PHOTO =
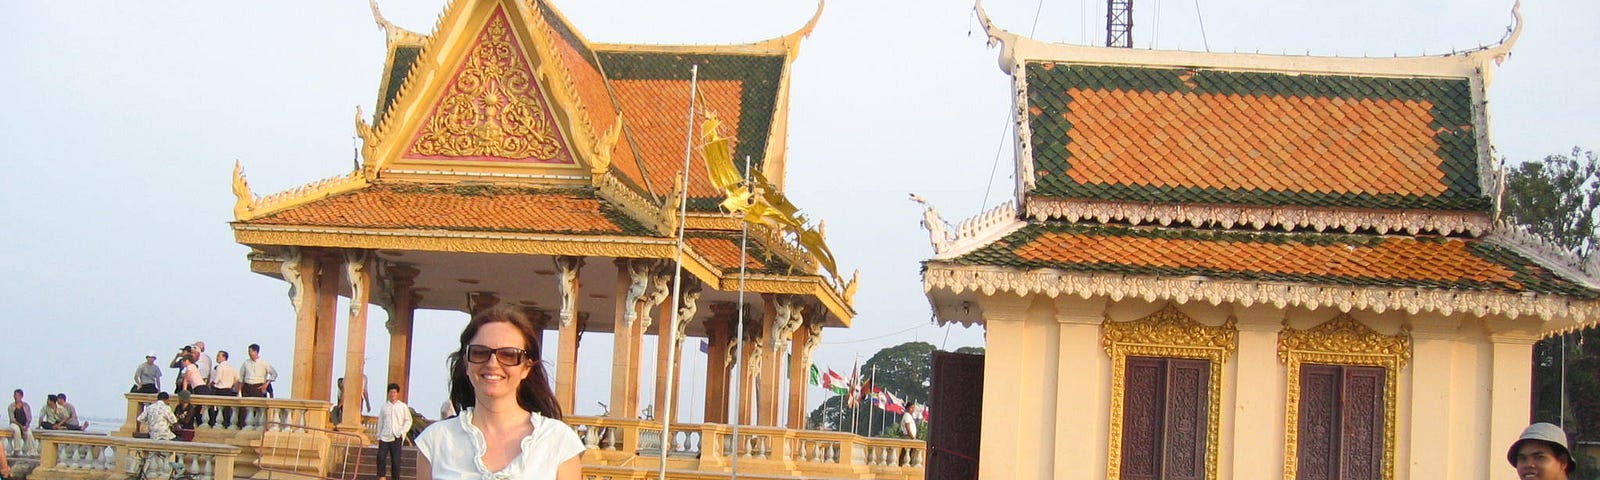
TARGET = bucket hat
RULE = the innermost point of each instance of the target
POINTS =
(1548, 433)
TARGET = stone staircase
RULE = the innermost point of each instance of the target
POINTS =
(366, 464)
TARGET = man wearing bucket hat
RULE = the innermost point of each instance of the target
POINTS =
(147, 376)
(1541, 453)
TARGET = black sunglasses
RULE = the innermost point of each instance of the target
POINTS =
(508, 356)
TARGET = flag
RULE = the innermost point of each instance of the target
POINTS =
(875, 397)
(893, 403)
(854, 400)
(927, 412)
(866, 390)
(816, 375)
(834, 382)
(705, 347)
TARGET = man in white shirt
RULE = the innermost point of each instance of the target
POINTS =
(224, 382)
(394, 422)
(256, 374)
(224, 378)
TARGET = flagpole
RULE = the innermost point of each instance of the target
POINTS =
(671, 329)
(871, 386)
(738, 349)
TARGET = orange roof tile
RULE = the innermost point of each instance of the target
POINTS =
(463, 208)
(722, 250)
(1288, 257)
(1166, 135)
(657, 111)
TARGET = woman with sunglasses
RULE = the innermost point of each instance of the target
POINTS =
(510, 425)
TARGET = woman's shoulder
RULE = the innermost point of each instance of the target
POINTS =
(439, 431)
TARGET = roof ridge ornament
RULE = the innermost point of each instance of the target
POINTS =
(392, 33)
(938, 230)
(1554, 257)
(1007, 40)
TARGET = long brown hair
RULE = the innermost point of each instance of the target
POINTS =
(533, 394)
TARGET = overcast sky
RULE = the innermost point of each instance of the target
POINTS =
(121, 121)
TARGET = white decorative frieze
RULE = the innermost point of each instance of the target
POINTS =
(1054, 283)
(1257, 218)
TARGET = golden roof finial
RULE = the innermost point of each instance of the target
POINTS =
(241, 192)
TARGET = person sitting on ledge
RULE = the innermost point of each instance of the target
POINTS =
(158, 419)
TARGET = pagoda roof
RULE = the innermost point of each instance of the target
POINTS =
(507, 133)
(628, 101)
(1316, 258)
(1314, 182)
(1323, 142)
(1185, 135)
(464, 207)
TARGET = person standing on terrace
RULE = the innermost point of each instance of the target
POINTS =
(394, 421)
(256, 374)
(147, 376)
(510, 424)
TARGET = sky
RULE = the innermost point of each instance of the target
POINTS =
(121, 123)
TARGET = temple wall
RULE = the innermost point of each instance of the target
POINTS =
(1460, 399)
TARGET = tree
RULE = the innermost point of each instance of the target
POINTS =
(904, 369)
(1558, 198)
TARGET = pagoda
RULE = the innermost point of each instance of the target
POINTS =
(512, 161)
(1248, 266)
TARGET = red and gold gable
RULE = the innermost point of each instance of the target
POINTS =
(493, 108)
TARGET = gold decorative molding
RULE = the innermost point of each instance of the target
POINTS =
(1342, 341)
(441, 241)
(655, 217)
(246, 207)
(1167, 333)
(493, 107)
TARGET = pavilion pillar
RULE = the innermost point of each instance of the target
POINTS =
(781, 316)
(300, 268)
(669, 350)
(719, 359)
(358, 267)
(571, 328)
(802, 346)
(633, 279)
(329, 272)
(750, 366)
(665, 329)
(400, 326)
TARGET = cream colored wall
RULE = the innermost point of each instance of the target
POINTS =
(1461, 398)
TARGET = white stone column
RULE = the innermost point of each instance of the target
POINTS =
(1081, 389)
(1432, 424)
(1511, 344)
(1018, 442)
(1253, 448)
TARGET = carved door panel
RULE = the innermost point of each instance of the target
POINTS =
(1319, 423)
(1142, 418)
(1164, 418)
(953, 431)
(1188, 388)
(1361, 455)
(1341, 422)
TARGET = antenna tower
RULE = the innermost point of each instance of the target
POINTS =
(1119, 23)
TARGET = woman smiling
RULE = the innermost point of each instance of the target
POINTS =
(510, 426)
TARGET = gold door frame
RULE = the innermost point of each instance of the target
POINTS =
(1174, 334)
(1341, 341)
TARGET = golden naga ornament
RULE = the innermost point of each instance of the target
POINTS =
(493, 109)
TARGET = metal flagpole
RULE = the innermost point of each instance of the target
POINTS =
(738, 345)
(671, 329)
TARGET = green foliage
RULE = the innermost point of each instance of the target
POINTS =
(1558, 198)
(905, 370)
